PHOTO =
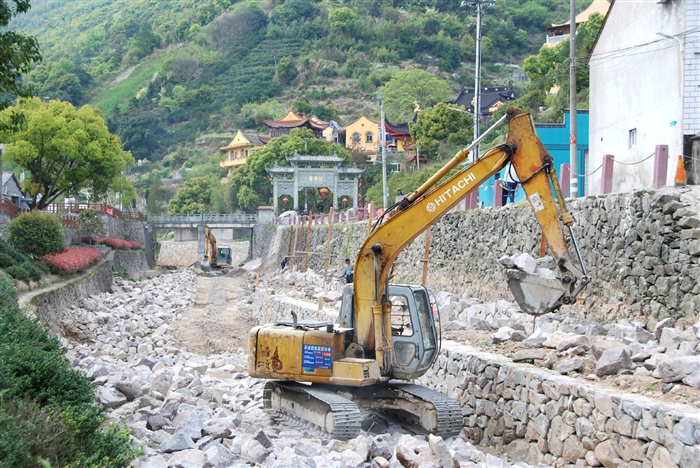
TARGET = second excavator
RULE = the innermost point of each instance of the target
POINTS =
(325, 373)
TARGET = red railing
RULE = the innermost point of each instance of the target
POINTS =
(8, 206)
(69, 211)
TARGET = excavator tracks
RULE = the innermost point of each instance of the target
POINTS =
(449, 413)
(334, 415)
(340, 418)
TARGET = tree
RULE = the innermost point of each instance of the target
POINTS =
(90, 224)
(65, 151)
(440, 123)
(18, 53)
(193, 197)
(286, 70)
(408, 88)
(343, 19)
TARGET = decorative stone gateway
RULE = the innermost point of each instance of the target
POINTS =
(539, 416)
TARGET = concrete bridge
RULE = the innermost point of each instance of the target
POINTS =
(224, 227)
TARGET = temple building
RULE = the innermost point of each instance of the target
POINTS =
(292, 120)
(241, 146)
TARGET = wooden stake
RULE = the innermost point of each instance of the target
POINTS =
(543, 246)
(328, 245)
(370, 215)
(297, 245)
(308, 241)
(426, 255)
(289, 244)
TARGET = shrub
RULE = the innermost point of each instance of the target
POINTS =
(6, 260)
(18, 272)
(118, 244)
(89, 224)
(37, 234)
(46, 410)
(87, 240)
(34, 270)
(18, 257)
(72, 260)
(8, 293)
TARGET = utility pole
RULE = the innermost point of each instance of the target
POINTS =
(573, 147)
(477, 74)
(382, 139)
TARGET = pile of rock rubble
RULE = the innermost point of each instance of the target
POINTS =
(567, 343)
(188, 410)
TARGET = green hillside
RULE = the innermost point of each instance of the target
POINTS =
(165, 74)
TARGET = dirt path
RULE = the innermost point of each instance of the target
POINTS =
(214, 325)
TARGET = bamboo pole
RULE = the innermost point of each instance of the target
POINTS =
(297, 245)
(426, 254)
(328, 245)
(308, 241)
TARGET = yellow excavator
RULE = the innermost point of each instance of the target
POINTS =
(326, 373)
(214, 257)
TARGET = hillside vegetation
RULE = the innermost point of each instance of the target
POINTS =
(168, 74)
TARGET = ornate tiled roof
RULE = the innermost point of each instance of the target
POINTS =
(489, 96)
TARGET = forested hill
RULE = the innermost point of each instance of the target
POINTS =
(164, 71)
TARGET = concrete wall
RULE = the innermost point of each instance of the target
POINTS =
(642, 251)
(641, 89)
(52, 305)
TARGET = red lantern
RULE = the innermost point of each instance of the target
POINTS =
(285, 200)
(345, 201)
(323, 191)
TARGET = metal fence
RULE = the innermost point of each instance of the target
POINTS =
(203, 218)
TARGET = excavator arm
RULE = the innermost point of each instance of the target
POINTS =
(422, 208)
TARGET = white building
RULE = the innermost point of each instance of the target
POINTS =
(644, 88)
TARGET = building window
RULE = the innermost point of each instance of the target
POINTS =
(633, 138)
(369, 137)
(355, 137)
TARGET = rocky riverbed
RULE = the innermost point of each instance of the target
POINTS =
(195, 410)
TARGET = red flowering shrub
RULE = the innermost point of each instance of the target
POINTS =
(118, 244)
(71, 260)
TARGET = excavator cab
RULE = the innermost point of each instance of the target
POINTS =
(414, 339)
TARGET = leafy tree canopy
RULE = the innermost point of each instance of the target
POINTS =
(65, 151)
(193, 197)
(441, 123)
(251, 185)
(409, 88)
(19, 52)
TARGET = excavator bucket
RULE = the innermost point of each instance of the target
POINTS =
(535, 295)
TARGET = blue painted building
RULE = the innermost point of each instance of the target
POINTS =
(555, 138)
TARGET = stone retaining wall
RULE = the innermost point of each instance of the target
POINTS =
(642, 251)
(4, 224)
(132, 262)
(53, 305)
(539, 416)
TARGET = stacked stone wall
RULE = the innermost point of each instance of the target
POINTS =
(54, 305)
(539, 416)
(5, 220)
(642, 251)
(132, 262)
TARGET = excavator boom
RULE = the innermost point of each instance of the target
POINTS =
(421, 209)
(387, 331)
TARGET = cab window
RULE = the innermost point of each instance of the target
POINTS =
(401, 324)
